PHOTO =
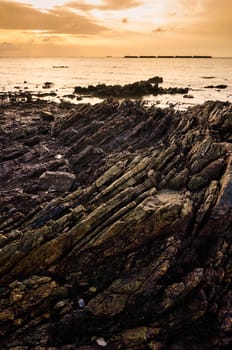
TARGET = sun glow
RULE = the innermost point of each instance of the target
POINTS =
(111, 26)
(43, 4)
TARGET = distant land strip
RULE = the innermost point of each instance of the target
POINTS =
(167, 56)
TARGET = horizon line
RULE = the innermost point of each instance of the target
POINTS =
(125, 56)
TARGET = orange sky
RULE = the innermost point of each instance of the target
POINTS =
(115, 27)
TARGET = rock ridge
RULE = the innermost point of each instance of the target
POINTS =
(125, 243)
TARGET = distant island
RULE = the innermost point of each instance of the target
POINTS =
(167, 56)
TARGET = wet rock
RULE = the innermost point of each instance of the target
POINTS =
(188, 96)
(137, 89)
(60, 66)
(47, 85)
(208, 77)
(220, 86)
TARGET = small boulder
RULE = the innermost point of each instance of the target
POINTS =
(59, 181)
(47, 85)
(221, 86)
(188, 96)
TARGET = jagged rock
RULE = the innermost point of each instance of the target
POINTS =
(137, 89)
(133, 248)
(57, 180)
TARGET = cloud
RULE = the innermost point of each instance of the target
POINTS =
(106, 5)
(190, 4)
(120, 4)
(58, 20)
(209, 17)
(101, 27)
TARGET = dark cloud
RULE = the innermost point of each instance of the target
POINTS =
(58, 20)
(112, 5)
(125, 20)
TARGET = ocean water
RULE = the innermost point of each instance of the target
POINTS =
(66, 73)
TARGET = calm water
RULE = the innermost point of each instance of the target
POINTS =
(31, 73)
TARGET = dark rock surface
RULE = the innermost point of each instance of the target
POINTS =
(137, 89)
(59, 181)
(220, 86)
(137, 254)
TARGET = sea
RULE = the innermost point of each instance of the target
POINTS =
(30, 74)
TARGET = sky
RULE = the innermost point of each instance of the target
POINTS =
(96, 28)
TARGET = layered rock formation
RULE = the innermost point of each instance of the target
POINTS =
(137, 253)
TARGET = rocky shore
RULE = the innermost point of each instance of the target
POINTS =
(133, 90)
(138, 89)
(115, 226)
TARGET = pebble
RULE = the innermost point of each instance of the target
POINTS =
(81, 303)
(101, 342)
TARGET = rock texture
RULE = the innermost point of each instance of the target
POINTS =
(136, 254)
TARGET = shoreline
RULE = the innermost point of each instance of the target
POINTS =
(149, 91)
(134, 90)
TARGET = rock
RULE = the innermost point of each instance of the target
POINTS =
(137, 89)
(188, 96)
(60, 66)
(59, 181)
(81, 303)
(138, 336)
(224, 202)
(32, 141)
(47, 85)
(101, 342)
(197, 182)
(220, 86)
(209, 77)
(61, 304)
(47, 116)
(3, 240)
(115, 226)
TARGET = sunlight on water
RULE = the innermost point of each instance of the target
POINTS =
(66, 73)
